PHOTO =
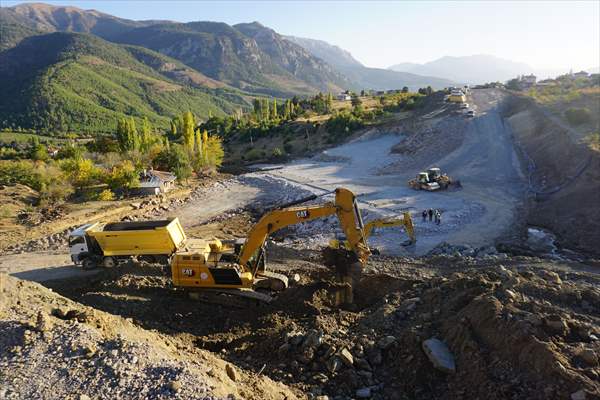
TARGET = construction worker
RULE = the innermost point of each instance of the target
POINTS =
(430, 212)
(424, 213)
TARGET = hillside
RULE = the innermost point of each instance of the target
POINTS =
(365, 77)
(257, 60)
(294, 58)
(78, 82)
(474, 69)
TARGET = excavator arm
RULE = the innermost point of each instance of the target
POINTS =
(344, 207)
(405, 221)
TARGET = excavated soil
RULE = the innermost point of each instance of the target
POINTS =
(519, 330)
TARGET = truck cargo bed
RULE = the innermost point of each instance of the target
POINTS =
(163, 237)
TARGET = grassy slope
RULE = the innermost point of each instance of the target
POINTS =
(80, 83)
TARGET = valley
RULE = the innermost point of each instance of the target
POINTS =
(206, 210)
(475, 265)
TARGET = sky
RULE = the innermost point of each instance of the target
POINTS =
(544, 34)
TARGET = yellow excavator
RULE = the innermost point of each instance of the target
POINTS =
(405, 222)
(226, 268)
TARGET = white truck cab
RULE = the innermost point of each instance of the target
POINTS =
(78, 244)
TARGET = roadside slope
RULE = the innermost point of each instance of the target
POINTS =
(564, 177)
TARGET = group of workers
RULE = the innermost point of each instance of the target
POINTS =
(434, 215)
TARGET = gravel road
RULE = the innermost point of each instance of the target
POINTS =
(486, 164)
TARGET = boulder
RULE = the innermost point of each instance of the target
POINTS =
(439, 355)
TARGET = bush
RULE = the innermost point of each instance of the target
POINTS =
(578, 116)
(288, 148)
(344, 122)
(123, 177)
(176, 160)
(254, 155)
(277, 152)
(47, 179)
(106, 195)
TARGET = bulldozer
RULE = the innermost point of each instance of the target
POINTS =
(405, 222)
(241, 270)
(432, 180)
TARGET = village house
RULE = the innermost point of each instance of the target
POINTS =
(527, 80)
(581, 74)
(344, 97)
(153, 182)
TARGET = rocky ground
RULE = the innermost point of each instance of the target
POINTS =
(52, 347)
(438, 327)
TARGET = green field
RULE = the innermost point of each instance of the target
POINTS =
(20, 137)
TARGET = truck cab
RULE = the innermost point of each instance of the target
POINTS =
(79, 245)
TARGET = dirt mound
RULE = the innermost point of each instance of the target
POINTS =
(518, 332)
(84, 353)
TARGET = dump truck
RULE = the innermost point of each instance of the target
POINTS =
(432, 180)
(106, 244)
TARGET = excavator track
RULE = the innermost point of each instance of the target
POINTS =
(271, 280)
(239, 298)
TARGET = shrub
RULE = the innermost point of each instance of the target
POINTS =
(47, 179)
(344, 122)
(277, 152)
(123, 177)
(106, 195)
(288, 148)
(253, 155)
(176, 160)
(578, 116)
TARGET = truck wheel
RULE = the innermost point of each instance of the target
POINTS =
(109, 262)
(88, 264)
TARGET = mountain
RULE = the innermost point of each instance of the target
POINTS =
(329, 53)
(469, 69)
(295, 59)
(78, 82)
(365, 77)
(222, 52)
(48, 18)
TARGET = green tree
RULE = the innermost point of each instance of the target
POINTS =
(80, 172)
(329, 102)
(405, 89)
(123, 177)
(127, 135)
(176, 160)
(146, 137)
(356, 101)
(274, 115)
(188, 131)
(173, 130)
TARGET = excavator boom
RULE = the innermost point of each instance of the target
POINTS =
(344, 207)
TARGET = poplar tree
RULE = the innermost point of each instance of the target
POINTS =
(274, 110)
(188, 131)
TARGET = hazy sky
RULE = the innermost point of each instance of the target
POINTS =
(543, 34)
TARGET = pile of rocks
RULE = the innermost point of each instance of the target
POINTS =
(318, 359)
(56, 241)
(487, 252)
